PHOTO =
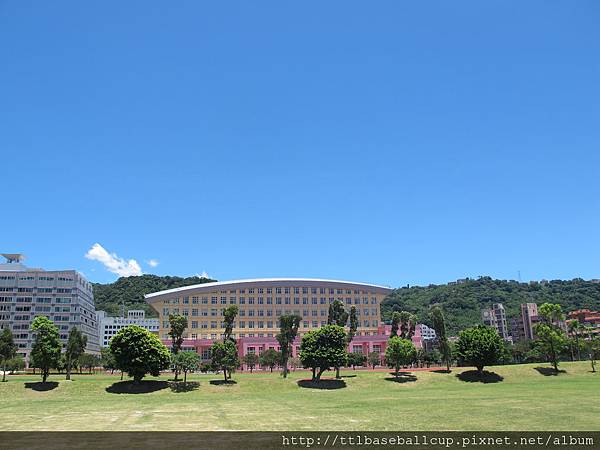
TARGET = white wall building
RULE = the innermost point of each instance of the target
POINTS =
(109, 326)
(64, 296)
(426, 333)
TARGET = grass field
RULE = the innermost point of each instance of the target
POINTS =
(524, 399)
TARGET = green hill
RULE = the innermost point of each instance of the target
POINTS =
(131, 291)
(463, 300)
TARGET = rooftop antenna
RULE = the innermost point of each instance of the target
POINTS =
(12, 258)
(519, 275)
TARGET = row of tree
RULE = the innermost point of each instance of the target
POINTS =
(47, 350)
(137, 352)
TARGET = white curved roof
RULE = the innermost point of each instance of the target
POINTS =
(300, 282)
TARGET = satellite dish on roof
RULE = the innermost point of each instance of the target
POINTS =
(13, 257)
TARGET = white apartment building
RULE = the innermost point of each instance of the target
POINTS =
(64, 296)
(426, 333)
(109, 326)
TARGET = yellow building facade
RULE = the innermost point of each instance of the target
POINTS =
(262, 301)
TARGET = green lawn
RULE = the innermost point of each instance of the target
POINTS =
(524, 400)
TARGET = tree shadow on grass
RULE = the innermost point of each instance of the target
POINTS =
(348, 376)
(41, 387)
(441, 371)
(184, 386)
(549, 371)
(222, 382)
(473, 376)
(403, 377)
(322, 384)
(130, 387)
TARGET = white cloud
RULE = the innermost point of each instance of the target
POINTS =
(152, 262)
(114, 264)
(202, 275)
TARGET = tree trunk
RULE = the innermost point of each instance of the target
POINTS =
(284, 367)
(184, 376)
(271, 369)
(4, 371)
(578, 348)
(44, 375)
(121, 375)
(337, 372)
(225, 373)
(553, 356)
(314, 376)
(572, 353)
(480, 370)
(319, 374)
(68, 368)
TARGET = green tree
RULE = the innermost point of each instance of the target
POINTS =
(229, 315)
(295, 363)
(420, 357)
(32, 363)
(395, 323)
(269, 358)
(575, 328)
(187, 362)
(337, 314)
(74, 349)
(399, 352)
(479, 346)
(8, 349)
(439, 325)
(551, 341)
(550, 336)
(107, 360)
(592, 345)
(322, 349)
(138, 352)
(178, 325)
(432, 357)
(519, 351)
(374, 359)
(408, 323)
(224, 356)
(15, 364)
(356, 359)
(288, 330)
(353, 327)
(551, 313)
(46, 348)
(88, 361)
(251, 360)
(62, 363)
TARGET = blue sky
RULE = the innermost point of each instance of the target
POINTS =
(387, 142)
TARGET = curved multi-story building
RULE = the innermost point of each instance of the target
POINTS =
(262, 301)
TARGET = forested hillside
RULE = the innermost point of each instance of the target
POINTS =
(462, 301)
(110, 297)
